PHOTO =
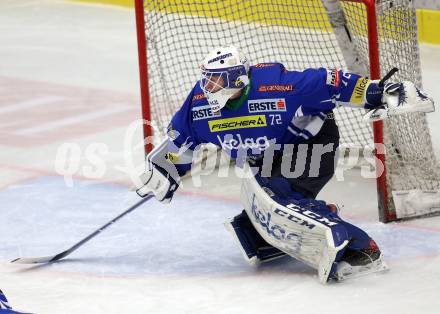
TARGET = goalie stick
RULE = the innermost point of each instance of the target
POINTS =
(387, 76)
(56, 257)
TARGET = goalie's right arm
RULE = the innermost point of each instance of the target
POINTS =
(172, 158)
(158, 178)
(165, 165)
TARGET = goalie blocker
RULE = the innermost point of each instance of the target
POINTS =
(278, 221)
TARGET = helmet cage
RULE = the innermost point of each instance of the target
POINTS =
(222, 78)
(220, 84)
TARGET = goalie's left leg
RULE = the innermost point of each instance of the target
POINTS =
(308, 230)
(359, 262)
(361, 256)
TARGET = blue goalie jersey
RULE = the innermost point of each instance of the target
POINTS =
(277, 107)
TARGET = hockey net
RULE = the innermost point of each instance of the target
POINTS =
(175, 35)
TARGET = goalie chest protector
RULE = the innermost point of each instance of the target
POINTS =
(281, 107)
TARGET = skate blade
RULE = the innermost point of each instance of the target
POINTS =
(350, 272)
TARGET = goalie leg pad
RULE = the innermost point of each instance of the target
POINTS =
(295, 227)
(253, 247)
(359, 239)
(306, 229)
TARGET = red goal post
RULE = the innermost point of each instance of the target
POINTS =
(368, 37)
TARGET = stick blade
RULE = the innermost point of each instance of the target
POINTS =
(34, 260)
(44, 259)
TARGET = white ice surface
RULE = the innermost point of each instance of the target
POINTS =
(179, 258)
(159, 259)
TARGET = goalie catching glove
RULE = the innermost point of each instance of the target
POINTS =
(158, 179)
(390, 99)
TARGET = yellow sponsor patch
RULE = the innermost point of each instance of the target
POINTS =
(171, 133)
(255, 121)
(357, 97)
(173, 157)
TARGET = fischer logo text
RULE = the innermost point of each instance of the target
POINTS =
(255, 121)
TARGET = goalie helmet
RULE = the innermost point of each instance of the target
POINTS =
(224, 73)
